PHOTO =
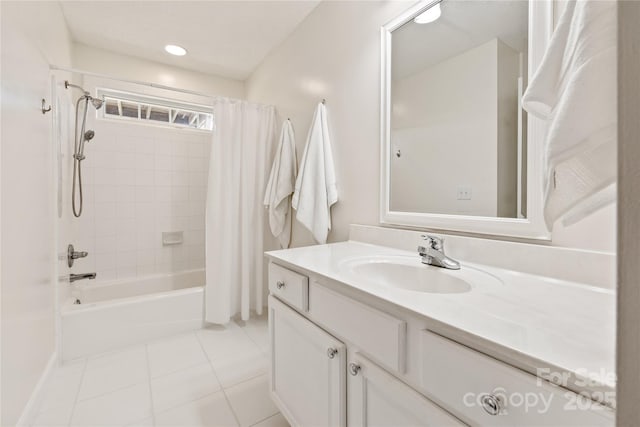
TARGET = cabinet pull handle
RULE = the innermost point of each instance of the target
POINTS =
(491, 404)
(280, 284)
(331, 352)
(354, 369)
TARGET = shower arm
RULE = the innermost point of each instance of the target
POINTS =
(67, 85)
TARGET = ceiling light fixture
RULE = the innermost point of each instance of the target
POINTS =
(175, 50)
(428, 15)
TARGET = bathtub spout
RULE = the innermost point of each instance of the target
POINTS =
(74, 277)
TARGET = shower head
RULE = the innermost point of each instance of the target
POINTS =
(97, 103)
(88, 135)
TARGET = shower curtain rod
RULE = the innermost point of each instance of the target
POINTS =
(153, 85)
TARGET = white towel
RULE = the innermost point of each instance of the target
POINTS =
(316, 189)
(574, 90)
(277, 198)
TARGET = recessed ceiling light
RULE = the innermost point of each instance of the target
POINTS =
(175, 50)
(428, 15)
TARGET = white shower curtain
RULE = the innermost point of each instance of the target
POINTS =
(241, 150)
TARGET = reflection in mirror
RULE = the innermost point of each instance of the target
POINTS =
(458, 134)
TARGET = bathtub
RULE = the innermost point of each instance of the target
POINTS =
(133, 311)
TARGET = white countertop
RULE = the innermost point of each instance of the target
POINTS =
(527, 320)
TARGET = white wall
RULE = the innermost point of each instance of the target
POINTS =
(445, 124)
(34, 35)
(138, 181)
(335, 54)
(115, 65)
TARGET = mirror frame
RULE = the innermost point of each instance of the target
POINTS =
(532, 227)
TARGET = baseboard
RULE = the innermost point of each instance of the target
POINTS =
(33, 405)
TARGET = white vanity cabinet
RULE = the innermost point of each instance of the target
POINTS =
(307, 369)
(340, 358)
(376, 398)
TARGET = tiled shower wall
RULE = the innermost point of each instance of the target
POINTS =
(140, 181)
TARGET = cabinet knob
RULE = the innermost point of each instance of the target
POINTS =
(354, 369)
(280, 284)
(491, 404)
(331, 352)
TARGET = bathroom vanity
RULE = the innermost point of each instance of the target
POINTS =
(362, 334)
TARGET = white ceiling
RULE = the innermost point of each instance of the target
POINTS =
(463, 25)
(225, 38)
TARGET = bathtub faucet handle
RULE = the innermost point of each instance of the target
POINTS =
(73, 255)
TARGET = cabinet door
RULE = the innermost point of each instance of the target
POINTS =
(307, 369)
(376, 398)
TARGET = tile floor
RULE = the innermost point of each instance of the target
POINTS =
(216, 376)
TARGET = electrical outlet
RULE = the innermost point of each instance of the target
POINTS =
(464, 193)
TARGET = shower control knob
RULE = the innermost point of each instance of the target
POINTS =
(73, 255)
(331, 352)
(354, 369)
(280, 284)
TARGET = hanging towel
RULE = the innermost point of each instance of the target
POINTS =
(277, 198)
(574, 91)
(316, 189)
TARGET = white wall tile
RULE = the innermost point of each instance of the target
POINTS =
(106, 261)
(127, 259)
(125, 193)
(180, 193)
(146, 270)
(127, 272)
(125, 210)
(107, 244)
(145, 145)
(145, 257)
(163, 177)
(144, 181)
(145, 161)
(163, 162)
(124, 177)
(180, 163)
(145, 177)
(144, 194)
(125, 160)
(104, 176)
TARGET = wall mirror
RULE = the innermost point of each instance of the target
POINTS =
(458, 151)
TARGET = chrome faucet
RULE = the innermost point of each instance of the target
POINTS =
(74, 277)
(432, 253)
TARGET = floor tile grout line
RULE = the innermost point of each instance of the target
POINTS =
(235, 416)
(111, 391)
(178, 405)
(247, 334)
(244, 380)
(206, 362)
(153, 412)
(75, 401)
(264, 419)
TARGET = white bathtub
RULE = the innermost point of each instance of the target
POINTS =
(126, 312)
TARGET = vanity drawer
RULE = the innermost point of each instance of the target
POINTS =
(460, 377)
(289, 286)
(381, 336)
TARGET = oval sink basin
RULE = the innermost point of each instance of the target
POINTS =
(410, 274)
